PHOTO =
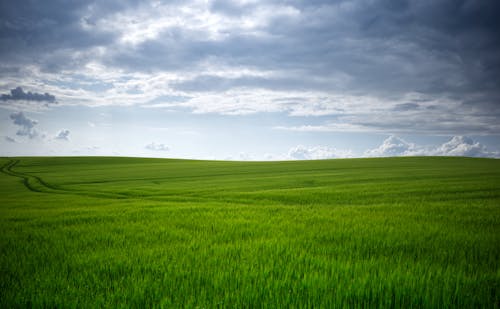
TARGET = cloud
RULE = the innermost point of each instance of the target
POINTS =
(395, 146)
(225, 57)
(63, 135)
(35, 31)
(463, 146)
(391, 147)
(157, 147)
(10, 139)
(27, 125)
(211, 83)
(243, 156)
(316, 153)
(406, 106)
(433, 115)
(18, 94)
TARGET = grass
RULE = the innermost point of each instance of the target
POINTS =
(131, 232)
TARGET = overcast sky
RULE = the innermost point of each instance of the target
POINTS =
(250, 80)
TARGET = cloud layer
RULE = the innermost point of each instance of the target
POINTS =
(383, 65)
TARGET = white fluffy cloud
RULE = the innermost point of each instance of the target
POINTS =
(463, 146)
(457, 146)
(393, 146)
(316, 153)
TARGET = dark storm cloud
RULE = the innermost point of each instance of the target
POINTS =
(19, 94)
(175, 50)
(32, 31)
(461, 34)
(383, 48)
(178, 49)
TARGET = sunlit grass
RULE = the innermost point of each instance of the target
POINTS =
(106, 232)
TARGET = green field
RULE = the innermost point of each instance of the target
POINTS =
(132, 232)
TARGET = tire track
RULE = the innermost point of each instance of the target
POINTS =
(7, 169)
(37, 184)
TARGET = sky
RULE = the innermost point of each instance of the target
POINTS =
(250, 79)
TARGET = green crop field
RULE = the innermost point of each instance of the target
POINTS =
(132, 232)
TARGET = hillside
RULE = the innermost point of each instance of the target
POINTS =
(391, 232)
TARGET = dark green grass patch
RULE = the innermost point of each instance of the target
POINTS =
(131, 232)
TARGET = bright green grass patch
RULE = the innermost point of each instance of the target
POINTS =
(131, 232)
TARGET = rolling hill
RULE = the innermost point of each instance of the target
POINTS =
(137, 232)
